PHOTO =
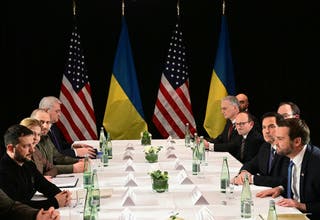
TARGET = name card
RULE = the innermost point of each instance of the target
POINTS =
(170, 154)
(129, 165)
(205, 214)
(128, 198)
(178, 165)
(130, 180)
(128, 155)
(183, 178)
(197, 197)
(127, 214)
(129, 147)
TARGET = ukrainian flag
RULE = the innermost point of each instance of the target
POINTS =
(222, 83)
(124, 118)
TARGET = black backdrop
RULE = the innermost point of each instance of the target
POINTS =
(274, 47)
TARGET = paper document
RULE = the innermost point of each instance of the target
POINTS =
(65, 181)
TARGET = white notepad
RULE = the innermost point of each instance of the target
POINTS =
(65, 181)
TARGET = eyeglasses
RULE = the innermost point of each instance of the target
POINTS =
(286, 115)
(242, 123)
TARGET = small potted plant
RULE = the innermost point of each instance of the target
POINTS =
(159, 181)
(145, 138)
(151, 153)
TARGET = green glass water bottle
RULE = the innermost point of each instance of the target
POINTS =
(225, 175)
(246, 199)
(272, 213)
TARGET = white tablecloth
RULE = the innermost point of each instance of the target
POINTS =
(121, 176)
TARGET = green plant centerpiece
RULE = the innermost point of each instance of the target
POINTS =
(151, 153)
(159, 181)
(146, 138)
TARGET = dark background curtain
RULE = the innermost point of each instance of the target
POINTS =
(275, 49)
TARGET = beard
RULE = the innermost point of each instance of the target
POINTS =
(21, 159)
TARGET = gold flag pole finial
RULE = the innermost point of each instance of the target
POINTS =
(74, 7)
(122, 7)
(223, 7)
(178, 8)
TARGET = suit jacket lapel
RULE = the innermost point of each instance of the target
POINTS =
(304, 170)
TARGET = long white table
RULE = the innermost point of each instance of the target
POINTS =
(126, 186)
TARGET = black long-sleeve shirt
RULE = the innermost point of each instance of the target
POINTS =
(21, 182)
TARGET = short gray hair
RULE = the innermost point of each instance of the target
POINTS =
(48, 101)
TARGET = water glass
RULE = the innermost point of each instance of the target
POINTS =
(230, 191)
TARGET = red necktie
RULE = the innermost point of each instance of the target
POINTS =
(230, 131)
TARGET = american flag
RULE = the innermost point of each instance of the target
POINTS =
(77, 121)
(173, 106)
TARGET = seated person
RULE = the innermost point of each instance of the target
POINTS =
(267, 168)
(251, 138)
(229, 140)
(19, 177)
(302, 190)
(64, 164)
(13, 210)
(43, 165)
(52, 105)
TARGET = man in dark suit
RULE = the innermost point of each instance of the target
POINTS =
(251, 138)
(303, 188)
(229, 140)
(267, 168)
(53, 106)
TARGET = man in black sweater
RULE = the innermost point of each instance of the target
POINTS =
(19, 177)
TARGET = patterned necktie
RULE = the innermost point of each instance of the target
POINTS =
(231, 127)
(271, 157)
(242, 148)
(289, 193)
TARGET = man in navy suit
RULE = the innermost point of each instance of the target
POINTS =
(267, 168)
(303, 188)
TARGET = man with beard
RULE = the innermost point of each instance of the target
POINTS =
(303, 185)
(19, 177)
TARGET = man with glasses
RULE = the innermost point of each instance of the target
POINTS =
(288, 110)
(251, 138)
(267, 168)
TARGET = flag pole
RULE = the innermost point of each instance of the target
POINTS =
(178, 8)
(122, 6)
(223, 7)
(74, 7)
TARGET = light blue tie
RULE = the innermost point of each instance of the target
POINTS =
(289, 193)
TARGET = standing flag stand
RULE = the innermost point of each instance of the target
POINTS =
(124, 117)
(173, 106)
(77, 121)
(222, 82)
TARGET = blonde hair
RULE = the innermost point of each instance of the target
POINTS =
(30, 122)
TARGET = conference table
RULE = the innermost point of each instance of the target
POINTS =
(126, 186)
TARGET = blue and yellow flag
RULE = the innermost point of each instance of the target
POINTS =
(124, 117)
(222, 83)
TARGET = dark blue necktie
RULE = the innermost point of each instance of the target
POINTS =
(289, 193)
(271, 157)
